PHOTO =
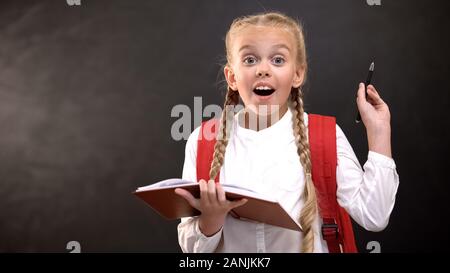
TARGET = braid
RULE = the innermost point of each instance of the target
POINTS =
(231, 98)
(309, 209)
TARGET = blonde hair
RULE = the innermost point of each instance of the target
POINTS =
(275, 19)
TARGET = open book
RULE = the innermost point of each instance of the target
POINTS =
(161, 197)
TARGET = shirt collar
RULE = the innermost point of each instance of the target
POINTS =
(280, 129)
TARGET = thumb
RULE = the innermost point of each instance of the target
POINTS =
(373, 94)
(188, 197)
(238, 203)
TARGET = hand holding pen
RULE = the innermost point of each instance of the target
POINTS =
(375, 115)
(368, 80)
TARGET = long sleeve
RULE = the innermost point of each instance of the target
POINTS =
(190, 238)
(368, 195)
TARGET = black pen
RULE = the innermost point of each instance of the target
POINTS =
(369, 78)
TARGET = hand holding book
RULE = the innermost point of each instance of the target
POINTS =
(212, 204)
(171, 198)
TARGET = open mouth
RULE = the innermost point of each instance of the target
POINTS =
(263, 92)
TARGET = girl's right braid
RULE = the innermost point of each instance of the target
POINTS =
(231, 98)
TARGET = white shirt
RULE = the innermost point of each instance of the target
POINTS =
(266, 161)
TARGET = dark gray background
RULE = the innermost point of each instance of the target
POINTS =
(86, 94)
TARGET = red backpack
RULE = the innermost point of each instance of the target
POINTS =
(337, 228)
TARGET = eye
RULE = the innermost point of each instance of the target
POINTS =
(250, 60)
(278, 60)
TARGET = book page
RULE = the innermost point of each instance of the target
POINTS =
(168, 183)
(228, 188)
(236, 189)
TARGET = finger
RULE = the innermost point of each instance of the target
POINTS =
(238, 203)
(194, 202)
(373, 88)
(370, 99)
(204, 198)
(220, 193)
(374, 96)
(212, 195)
(361, 94)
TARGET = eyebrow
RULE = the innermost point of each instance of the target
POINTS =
(277, 46)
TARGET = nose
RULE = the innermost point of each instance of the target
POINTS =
(262, 71)
(261, 74)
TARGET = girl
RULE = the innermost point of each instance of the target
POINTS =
(266, 68)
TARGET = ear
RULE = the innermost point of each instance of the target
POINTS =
(230, 77)
(298, 77)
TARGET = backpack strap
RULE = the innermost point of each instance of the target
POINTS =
(337, 228)
(205, 148)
